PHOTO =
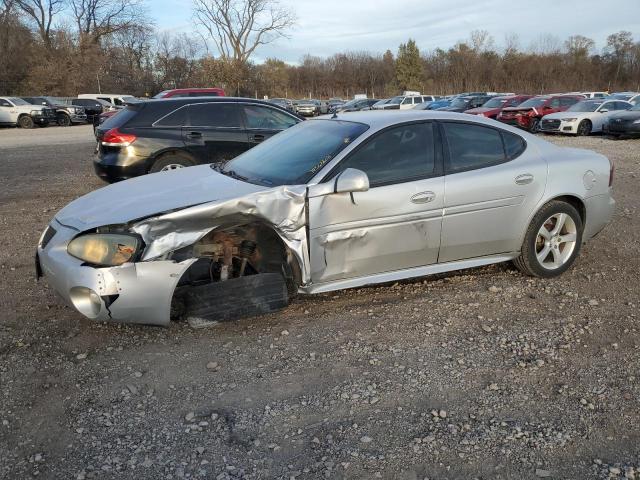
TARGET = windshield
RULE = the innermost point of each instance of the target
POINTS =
(533, 102)
(460, 102)
(295, 155)
(588, 106)
(18, 101)
(396, 100)
(495, 103)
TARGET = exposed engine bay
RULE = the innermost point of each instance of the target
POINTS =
(260, 269)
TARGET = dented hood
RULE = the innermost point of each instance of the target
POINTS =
(153, 194)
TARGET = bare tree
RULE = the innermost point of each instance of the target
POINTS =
(238, 27)
(96, 19)
(42, 14)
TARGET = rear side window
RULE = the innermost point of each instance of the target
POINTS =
(267, 118)
(555, 103)
(221, 115)
(514, 144)
(400, 154)
(417, 100)
(177, 118)
(472, 147)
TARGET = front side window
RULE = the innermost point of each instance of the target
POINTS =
(267, 118)
(417, 100)
(397, 155)
(5, 103)
(472, 146)
(220, 115)
(555, 103)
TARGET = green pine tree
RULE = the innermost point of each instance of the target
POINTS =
(409, 66)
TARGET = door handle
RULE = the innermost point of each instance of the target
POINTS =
(524, 179)
(194, 135)
(258, 137)
(423, 197)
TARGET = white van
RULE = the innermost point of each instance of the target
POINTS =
(115, 99)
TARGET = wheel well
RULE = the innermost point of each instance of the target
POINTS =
(576, 203)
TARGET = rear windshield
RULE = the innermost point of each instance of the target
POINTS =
(119, 119)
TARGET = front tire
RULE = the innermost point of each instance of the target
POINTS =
(172, 161)
(584, 128)
(552, 241)
(64, 120)
(25, 121)
(534, 126)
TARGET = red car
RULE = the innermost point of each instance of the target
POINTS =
(493, 107)
(191, 92)
(528, 114)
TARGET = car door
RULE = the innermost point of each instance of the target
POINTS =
(5, 111)
(492, 184)
(395, 225)
(262, 122)
(214, 131)
(406, 103)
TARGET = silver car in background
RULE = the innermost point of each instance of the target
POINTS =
(332, 203)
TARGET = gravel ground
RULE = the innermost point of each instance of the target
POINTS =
(480, 374)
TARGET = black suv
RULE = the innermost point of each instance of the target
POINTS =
(93, 108)
(159, 135)
(462, 104)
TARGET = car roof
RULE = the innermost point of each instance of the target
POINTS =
(379, 119)
(189, 100)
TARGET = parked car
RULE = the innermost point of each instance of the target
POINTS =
(624, 123)
(404, 102)
(92, 107)
(307, 108)
(323, 106)
(593, 95)
(379, 104)
(118, 100)
(283, 103)
(631, 97)
(462, 104)
(65, 114)
(494, 106)
(15, 111)
(160, 135)
(528, 114)
(335, 103)
(583, 118)
(190, 92)
(320, 207)
(356, 105)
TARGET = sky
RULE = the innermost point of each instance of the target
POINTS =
(325, 27)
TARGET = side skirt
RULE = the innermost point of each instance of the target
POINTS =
(408, 273)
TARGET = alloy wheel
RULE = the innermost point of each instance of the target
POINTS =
(556, 241)
(171, 166)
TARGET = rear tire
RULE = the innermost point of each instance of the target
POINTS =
(584, 128)
(25, 121)
(172, 161)
(552, 241)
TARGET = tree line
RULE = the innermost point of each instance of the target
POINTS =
(67, 47)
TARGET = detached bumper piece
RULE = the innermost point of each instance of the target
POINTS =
(238, 297)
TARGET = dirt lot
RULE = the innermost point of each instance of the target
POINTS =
(482, 374)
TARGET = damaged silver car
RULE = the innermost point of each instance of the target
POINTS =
(331, 203)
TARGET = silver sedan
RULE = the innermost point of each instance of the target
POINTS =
(332, 203)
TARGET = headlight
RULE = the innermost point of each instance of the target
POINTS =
(104, 249)
(569, 119)
(636, 121)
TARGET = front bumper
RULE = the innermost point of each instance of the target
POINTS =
(78, 118)
(134, 292)
(614, 127)
(307, 112)
(559, 126)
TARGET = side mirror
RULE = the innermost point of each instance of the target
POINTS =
(604, 110)
(349, 181)
(352, 180)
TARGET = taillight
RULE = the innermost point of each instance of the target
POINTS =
(612, 169)
(115, 138)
